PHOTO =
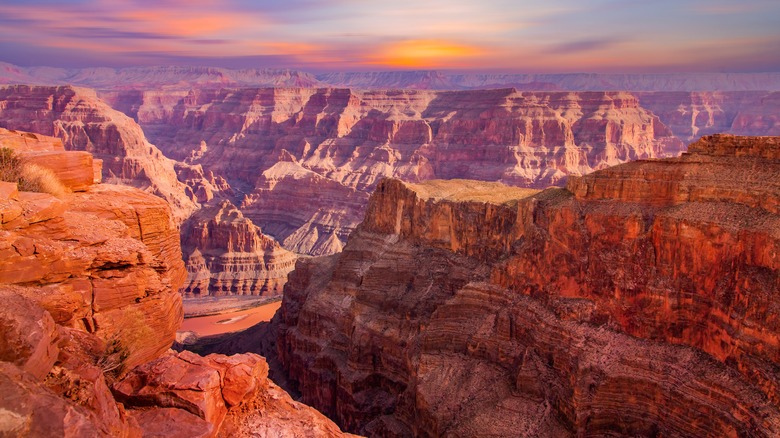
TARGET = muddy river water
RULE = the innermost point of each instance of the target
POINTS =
(230, 321)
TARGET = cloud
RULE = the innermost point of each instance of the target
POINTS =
(110, 33)
(510, 35)
(589, 45)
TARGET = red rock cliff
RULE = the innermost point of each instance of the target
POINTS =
(226, 254)
(89, 284)
(319, 152)
(85, 123)
(691, 115)
(639, 301)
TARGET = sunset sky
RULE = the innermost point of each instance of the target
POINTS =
(360, 35)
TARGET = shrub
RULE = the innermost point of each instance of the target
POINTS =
(10, 165)
(112, 362)
(29, 177)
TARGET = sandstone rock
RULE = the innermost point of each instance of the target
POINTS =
(28, 141)
(226, 254)
(110, 264)
(274, 414)
(8, 191)
(603, 310)
(74, 169)
(170, 381)
(27, 335)
(85, 123)
(173, 423)
(27, 410)
(216, 388)
(321, 151)
(90, 289)
(691, 115)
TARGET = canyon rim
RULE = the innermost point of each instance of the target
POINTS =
(389, 219)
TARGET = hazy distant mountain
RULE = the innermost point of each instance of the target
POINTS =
(435, 80)
(163, 77)
(187, 77)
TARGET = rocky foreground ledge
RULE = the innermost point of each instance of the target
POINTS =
(642, 300)
(89, 284)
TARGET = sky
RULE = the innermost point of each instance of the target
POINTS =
(521, 36)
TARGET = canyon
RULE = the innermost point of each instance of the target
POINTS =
(298, 162)
(585, 280)
(90, 283)
(306, 159)
(640, 300)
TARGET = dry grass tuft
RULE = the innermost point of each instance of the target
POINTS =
(34, 178)
(29, 177)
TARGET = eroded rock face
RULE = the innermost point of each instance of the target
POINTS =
(89, 285)
(639, 301)
(308, 157)
(85, 123)
(106, 261)
(691, 115)
(226, 254)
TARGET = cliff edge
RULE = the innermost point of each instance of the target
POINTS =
(642, 300)
(89, 282)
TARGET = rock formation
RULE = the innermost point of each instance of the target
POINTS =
(639, 301)
(307, 158)
(226, 254)
(89, 284)
(85, 123)
(691, 115)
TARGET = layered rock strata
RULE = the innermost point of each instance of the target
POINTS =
(226, 254)
(85, 123)
(89, 284)
(691, 115)
(307, 158)
(638, 301)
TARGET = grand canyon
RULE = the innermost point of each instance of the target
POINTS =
(389, 219)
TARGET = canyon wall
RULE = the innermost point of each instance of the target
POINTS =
(638, 301)
(89, 282)
(86, 123)
(691, 115)
(307, 158)
(226, 254)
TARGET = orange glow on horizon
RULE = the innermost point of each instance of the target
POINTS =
(424, 54)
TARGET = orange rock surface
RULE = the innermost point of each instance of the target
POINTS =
(640, 301)
(90, 287)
